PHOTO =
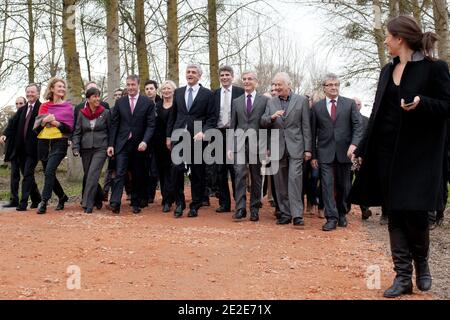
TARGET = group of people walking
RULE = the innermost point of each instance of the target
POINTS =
(400, 153)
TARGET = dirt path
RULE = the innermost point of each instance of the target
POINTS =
(154, 256)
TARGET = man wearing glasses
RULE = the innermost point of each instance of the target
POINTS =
(337, 130)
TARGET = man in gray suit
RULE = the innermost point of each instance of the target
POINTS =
(246, 113)
(289, 113)
(337, 130)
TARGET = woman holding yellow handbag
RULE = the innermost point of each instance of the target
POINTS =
(54, 125)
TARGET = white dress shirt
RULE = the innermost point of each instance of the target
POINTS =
(225, 107)
(195, 90)
(136, 97)
(253, 98)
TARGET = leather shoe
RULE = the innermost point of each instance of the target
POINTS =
(399, 287)
(42, 207)
(330, 225)
(342, 222)
(34, 205)
(193, 213)
(61, 202)
(277, 214)
(166, 208)
(298, 221)
(366, 214)
(88, 210)
(21, 207)
(11, 204)
(136, 210)
(284, 220)
(99, 205)
(240, 214)
(254, 216)
(222, 210)
(178, 211)
(114, 208)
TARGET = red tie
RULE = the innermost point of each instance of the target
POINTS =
(27, 120)
(333, 111)
(132, 104)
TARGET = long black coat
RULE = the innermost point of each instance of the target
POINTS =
(416, 175)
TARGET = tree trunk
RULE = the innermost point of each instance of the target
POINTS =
(85, 47)
(73, 75)
(112, 50)
(31, 65)
(141, 45)
(440, 15)
(53, 64)
(213, 44)
(378, 34)
(393, 8)
(416, 11)
(172, 37)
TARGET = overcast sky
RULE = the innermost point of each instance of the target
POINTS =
(304, 25)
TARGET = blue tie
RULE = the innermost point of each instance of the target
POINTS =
(190, 99)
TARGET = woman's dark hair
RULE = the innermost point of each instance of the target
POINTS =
(407, 28)
(92, 92)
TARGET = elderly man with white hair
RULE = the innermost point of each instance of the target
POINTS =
(290, 114)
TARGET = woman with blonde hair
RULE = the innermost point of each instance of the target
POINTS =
(54, 125)
(163, 158)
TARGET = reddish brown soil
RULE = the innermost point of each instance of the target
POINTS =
(154, 256)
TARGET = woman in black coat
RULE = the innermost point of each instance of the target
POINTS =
(402, 150)
(163, 158)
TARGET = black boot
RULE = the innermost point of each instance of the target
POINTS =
(401, 257)
(42, 207)
(419, 239)
(61, 202)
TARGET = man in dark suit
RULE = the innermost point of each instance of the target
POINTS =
(223, 98)
(8, 139)
(151, 172)
(337, 130)
(246, 113)
(24, 150)
(132, 127)
(192, 104)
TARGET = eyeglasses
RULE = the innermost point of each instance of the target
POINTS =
(332, 85)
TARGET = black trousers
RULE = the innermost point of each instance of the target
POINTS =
(164, 164)
(197, 178)
(52, 152)
(129, 157)
(222, 176)
(27, 166)
(15, 180)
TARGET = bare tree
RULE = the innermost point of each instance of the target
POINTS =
(141, 44)
(440, 14)
(172, 41)
(213, 44)
(113, 50)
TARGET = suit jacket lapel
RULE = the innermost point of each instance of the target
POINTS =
(339, 106)
(291, 104)
(325, 110)
(181, 98)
